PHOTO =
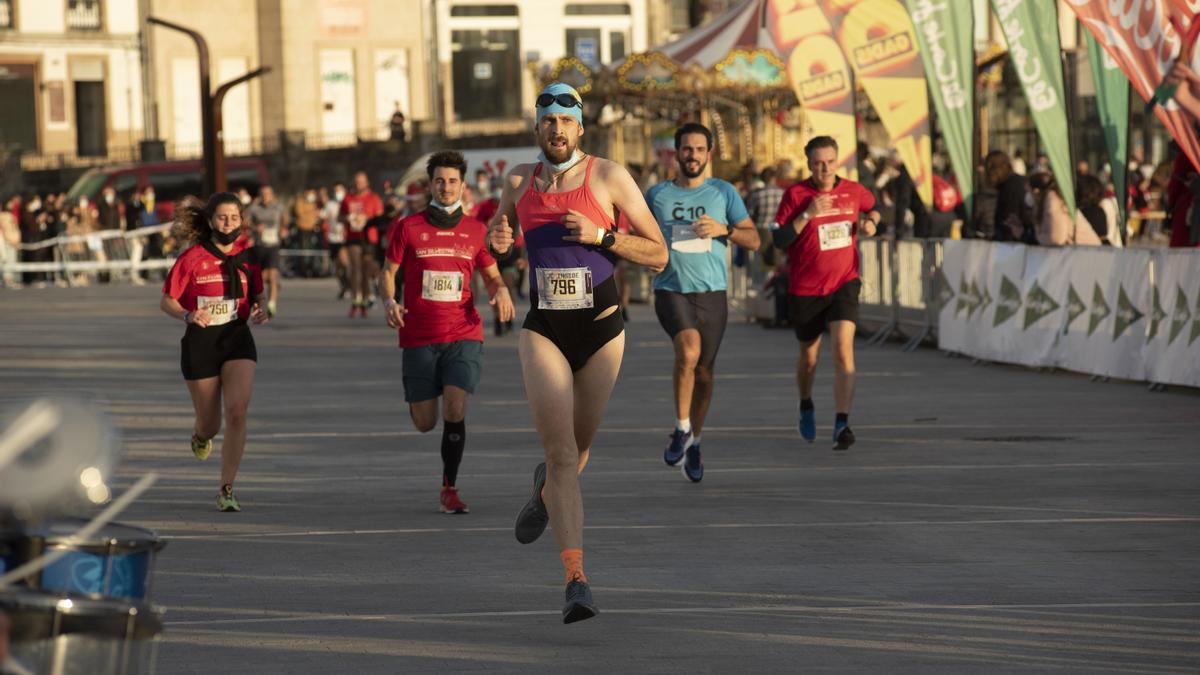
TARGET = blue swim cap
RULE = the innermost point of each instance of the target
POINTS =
(554, 90)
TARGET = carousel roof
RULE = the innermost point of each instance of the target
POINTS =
(741, 27)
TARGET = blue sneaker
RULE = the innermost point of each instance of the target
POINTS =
(693, 468)
(679, 442)
(808, 424)
(843, 438)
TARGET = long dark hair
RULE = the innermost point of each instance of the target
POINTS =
(193, 218)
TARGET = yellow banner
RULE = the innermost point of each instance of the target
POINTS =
(819, 74)
(878, 39)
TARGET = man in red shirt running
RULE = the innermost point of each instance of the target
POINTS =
(356, 211)
(818, 223)
(440, 331)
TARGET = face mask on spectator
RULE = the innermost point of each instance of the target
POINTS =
(339, 195)
(310, 197)
(149, 196)
(83, 202)
(245, 200)
(35, 205)
(109, 197)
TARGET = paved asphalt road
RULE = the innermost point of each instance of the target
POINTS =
(990, 519)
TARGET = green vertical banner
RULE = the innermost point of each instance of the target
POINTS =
(1112, 99)
(945, 32)
(1031, 29)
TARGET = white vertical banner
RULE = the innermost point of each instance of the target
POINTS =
(1042, 314)
(1131, 288)
(1000, 325)
(185, 102)
(1173, 323)
(235, 109)
(391, 88)
(976, 272)
(338, 107)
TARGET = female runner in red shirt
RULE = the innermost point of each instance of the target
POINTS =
(214, 290)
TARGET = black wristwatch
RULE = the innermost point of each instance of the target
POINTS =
(608, 240)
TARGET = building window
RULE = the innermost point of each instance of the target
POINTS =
(483, 10)
(616, 46)
(678, 22)
(7, 15)
(486, 71)
(83, 14)
(600, 9)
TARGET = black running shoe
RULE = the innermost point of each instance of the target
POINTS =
(843, 437)
(531, 521)
(579, 605)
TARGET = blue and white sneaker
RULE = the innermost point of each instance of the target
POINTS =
(680, 440)
(843, 438)
(808, 424)
(692, 467)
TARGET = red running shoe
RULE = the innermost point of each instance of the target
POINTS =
(451, 503)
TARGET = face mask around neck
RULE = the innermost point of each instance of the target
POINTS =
(225, 238)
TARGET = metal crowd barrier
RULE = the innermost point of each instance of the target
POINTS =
(76, 260)
(898, 288)
(73, 259)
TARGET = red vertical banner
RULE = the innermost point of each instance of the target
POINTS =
(878, 40)
(1144, 41)
(818, 73)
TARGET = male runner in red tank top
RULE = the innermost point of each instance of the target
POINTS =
(573, 337)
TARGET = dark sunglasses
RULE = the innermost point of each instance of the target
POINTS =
(565, 100)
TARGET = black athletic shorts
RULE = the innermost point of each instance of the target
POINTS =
(205, 350)
(705, 312)
(576, 332)
(810, 314)
(429, 368)
(267, 256)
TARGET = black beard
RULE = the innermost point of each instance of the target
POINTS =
(689, 174)
(550, 152)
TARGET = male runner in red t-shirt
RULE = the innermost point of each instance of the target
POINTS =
(818, 223)
(440, 331)
(356, 211)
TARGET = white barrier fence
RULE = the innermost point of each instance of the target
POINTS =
(1133, 314)
(74, 260)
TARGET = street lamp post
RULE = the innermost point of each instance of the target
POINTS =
(210, 110)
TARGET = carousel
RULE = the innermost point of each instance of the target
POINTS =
(725, 74)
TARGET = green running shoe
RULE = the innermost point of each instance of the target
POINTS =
(201, 448)
(226, 501)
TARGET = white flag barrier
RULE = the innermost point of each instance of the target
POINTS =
(1173, 330)
(1100, 311)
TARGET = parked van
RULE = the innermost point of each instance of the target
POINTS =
(171, 181)
(496, 161)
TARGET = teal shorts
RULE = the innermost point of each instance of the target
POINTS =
(429, 368)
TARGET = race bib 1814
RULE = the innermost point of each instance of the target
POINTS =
(441, 286)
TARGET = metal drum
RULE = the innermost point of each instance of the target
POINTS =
(59, 634)
(117, 562)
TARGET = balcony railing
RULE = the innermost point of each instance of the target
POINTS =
(83, 15)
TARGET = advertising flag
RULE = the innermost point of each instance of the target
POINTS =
(944, 31)
(1031, 29)
(1112, 99)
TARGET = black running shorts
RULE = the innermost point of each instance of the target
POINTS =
(707, 313)
(205, 350)
(577, 332)
(267, 256)
(810, 314)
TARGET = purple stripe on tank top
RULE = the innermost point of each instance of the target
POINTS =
(546, 249)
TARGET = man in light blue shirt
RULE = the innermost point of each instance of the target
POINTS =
(699, 217)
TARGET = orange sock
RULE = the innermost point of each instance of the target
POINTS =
(572, 560)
